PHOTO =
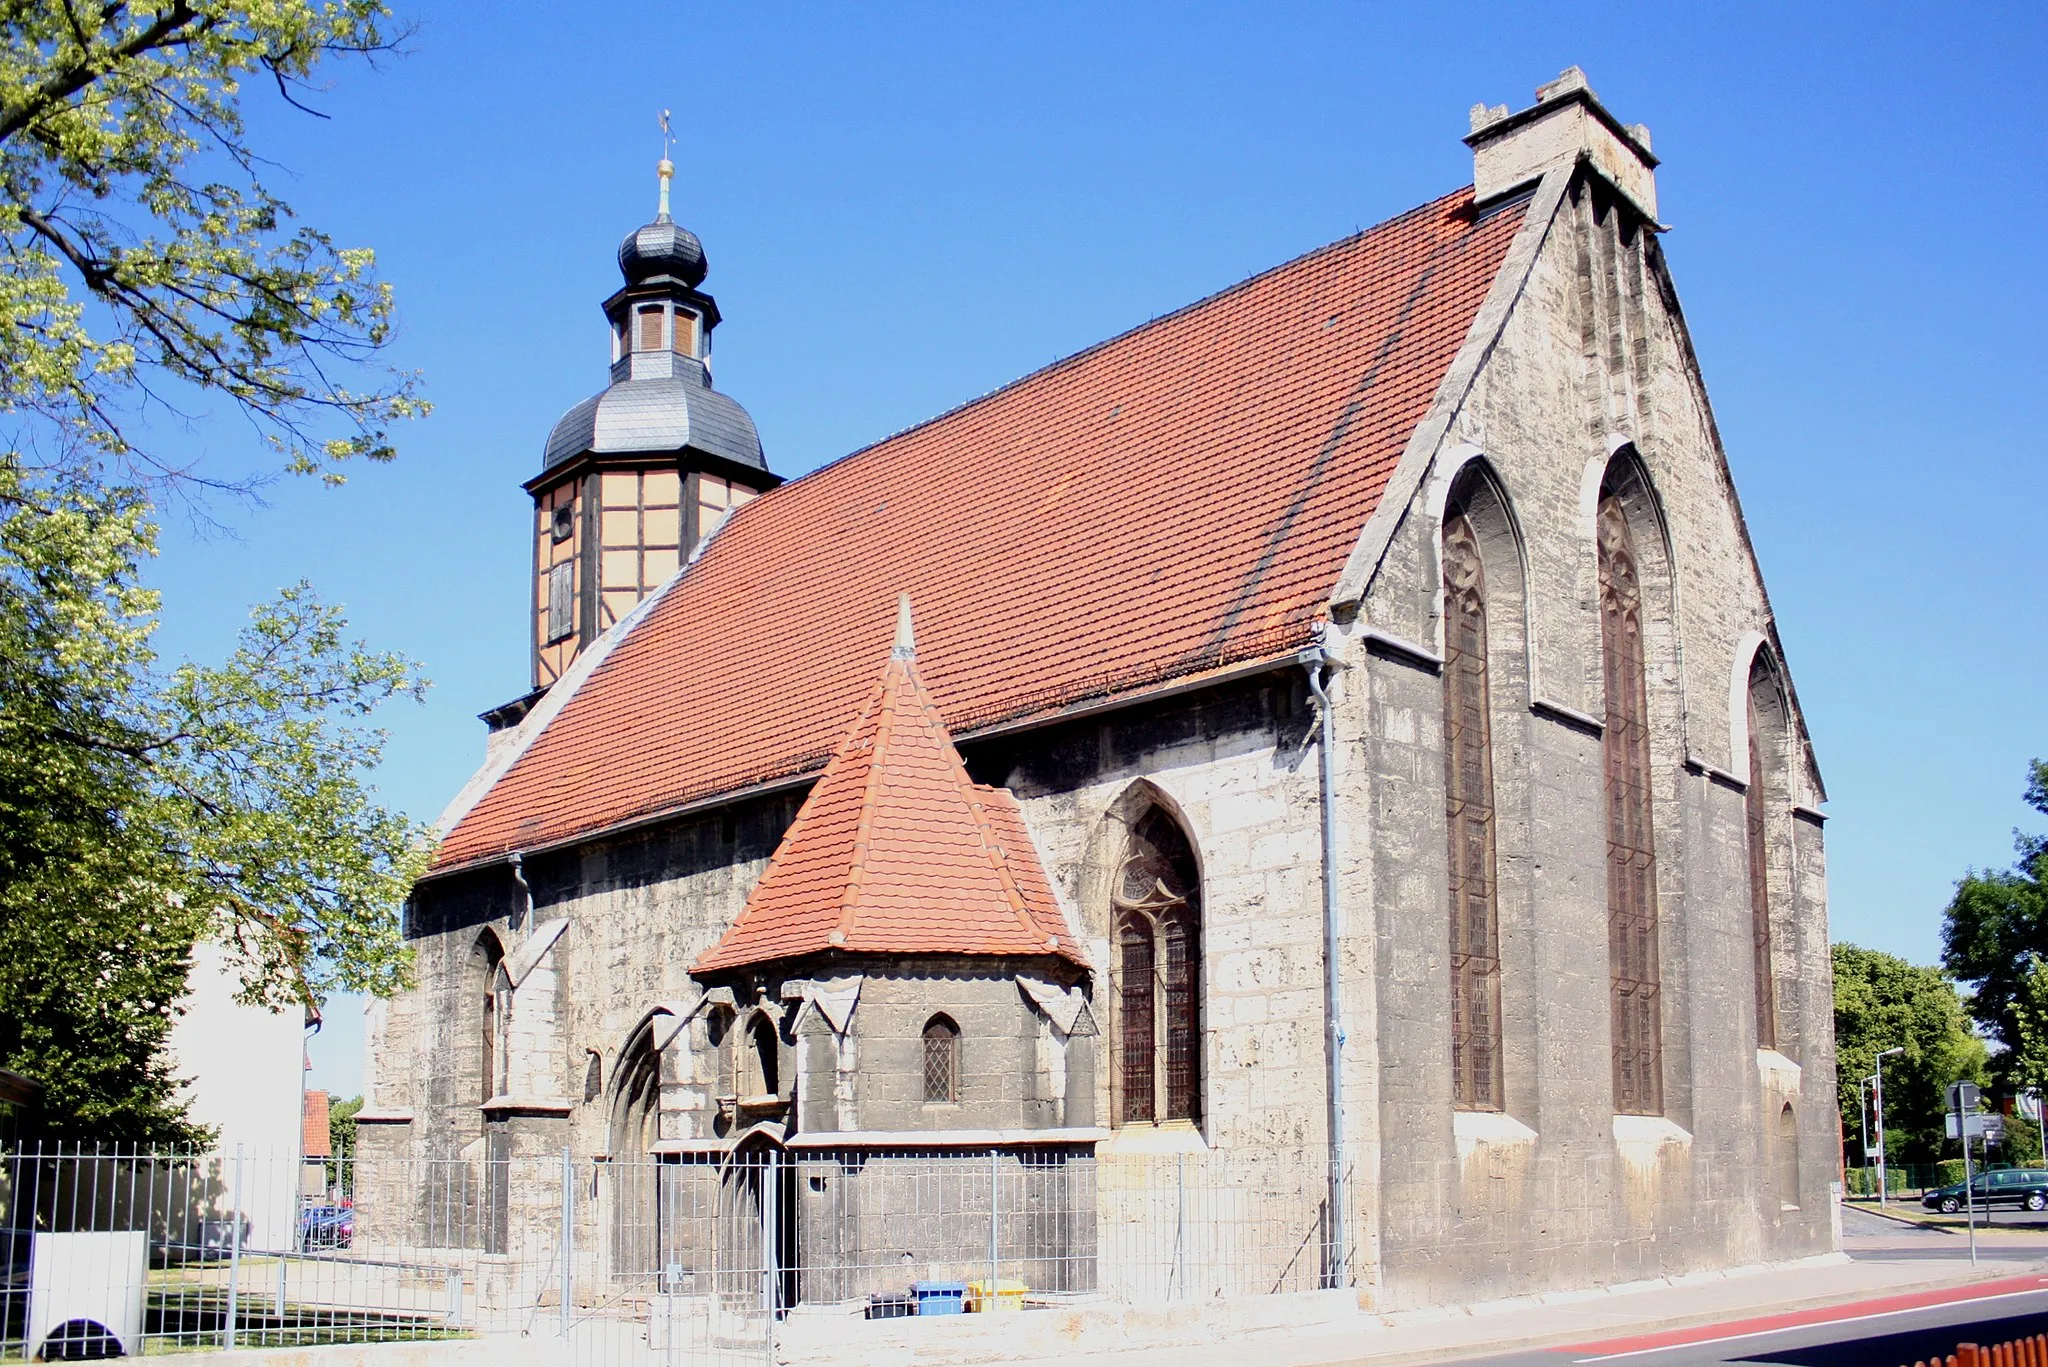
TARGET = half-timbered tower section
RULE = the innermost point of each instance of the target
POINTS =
(1442, 504)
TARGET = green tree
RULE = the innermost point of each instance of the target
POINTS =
(341, 1141)
(1995, 938)
(1883, 1002)
(143, 806)
(145, 259)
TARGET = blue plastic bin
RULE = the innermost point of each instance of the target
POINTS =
(940, 1298)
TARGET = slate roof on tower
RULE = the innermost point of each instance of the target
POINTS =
(897, 851)
(1177, 500)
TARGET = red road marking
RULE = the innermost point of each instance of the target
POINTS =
(1796, 1319)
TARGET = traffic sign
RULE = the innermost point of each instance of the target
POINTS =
(1962, 1097)
(1984, 1125)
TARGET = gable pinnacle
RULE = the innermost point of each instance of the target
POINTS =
(906, 640)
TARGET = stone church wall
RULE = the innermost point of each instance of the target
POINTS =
(1557, 1191)
(1444, 1206)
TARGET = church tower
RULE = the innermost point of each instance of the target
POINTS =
(635, 477)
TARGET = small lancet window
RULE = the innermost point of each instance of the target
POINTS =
(763, 1076)
(1631, 859)
(941, 1062)
(494, 1008)
(718, 1042)
(1469, 826)
(1157, 979)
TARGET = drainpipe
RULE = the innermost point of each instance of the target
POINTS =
(309, 1026)
(1321, 663)
(518, 863)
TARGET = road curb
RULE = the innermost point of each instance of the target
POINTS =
(1493, 1347)
(1908, 1220)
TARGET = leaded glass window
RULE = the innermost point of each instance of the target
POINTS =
(1631, 857)
(941, 1062)
(1468, 811)
(1158, 977)
(1760, 891)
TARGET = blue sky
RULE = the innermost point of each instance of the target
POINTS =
(905, 206)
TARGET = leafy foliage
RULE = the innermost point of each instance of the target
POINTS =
(130, 186)
(1995, 937)
(1883, 1002)
(143, 809)
(142, 263)
(341, 1139)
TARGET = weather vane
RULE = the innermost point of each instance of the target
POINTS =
(667, 168)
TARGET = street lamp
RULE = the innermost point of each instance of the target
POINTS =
(1883, 1182)
(1863, 1118)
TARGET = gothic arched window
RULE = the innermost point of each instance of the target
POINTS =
(761, 1067)
(941, 1062)
(1468, 814)
(1764, 710)
(718, 1022)
(1157, 978)
(1631, 858)
(494, 991)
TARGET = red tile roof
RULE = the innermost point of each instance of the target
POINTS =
(896, 850)
(1180, 498)
(314, 1138)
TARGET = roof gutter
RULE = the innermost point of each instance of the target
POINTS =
(1187, 683)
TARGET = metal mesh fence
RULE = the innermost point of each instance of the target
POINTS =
(692, 1258)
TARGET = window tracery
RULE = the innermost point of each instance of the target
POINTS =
(1469, 822)
(1157, 986)
(1756, 804)
(1631, 859)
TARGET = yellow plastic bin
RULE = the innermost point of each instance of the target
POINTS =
(1003, 1294)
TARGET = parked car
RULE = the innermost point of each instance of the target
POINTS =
(2004, 1186)
(327, 1227)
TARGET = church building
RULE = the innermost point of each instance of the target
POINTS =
(1333, 736)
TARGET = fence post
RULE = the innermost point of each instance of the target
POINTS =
(994, 1204)
(234, 1256)
(567, 1243)
(454, 1298)
(1180, 1223)
(771, 1220)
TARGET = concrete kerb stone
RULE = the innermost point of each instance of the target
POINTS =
(1308, 1329)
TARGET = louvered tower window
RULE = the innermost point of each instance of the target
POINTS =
(1631, 857)
(941, 1062)
(1760, 888)
(1158, 976)
(648, 319)
(1468, 812)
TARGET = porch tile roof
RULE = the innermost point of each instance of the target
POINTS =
(897, 850)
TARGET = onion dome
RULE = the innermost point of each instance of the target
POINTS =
(662, 248)
(658, 414)
(660, 401)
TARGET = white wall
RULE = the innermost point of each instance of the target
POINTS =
(242, 1067)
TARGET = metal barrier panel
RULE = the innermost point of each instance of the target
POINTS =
(657, 1260)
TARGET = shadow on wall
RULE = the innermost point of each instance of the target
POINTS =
(184, 1204)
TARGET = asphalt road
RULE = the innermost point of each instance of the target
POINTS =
(1876, 1335)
